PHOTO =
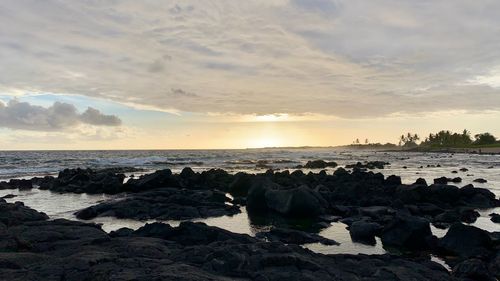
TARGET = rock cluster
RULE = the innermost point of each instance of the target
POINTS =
(34, 248)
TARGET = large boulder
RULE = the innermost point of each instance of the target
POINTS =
(472, 269)
(241, 184)
(160, 178)
(85, 181)
(495, 217)
(408, 232)
(256, 198)
(296, 202)
(319, 164)
(364, 231)
(16, 213)
(466, 241)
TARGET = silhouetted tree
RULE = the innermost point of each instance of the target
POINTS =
(448, 139)
(485, 138)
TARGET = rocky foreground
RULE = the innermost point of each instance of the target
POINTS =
(35, 248)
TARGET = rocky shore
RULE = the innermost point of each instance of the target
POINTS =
(372, 205)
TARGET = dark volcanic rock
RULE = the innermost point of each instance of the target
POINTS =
(466, 241)
(241, 184)
(295, 202)
(84, 181)
(160, 178)
(164, 204)
(442, 180)
(67, 250)
(480, 180)
(495, 218)
(473, 269)
(319, 164)
(407, 232)
(291, 236)
(445, 180)
(16, 213)
(393, 180)
(450, 217)
(16, 183)
(364, 232)
(420, 181)
(368, 165)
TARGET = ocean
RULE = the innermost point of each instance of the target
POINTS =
(408, 165)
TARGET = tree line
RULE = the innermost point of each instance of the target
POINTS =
(447, 139)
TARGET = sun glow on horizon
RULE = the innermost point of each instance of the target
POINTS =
(271, 117)
(265, 142)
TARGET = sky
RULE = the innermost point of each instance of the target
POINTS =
(108, 74)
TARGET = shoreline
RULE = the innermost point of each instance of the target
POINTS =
(293, 207)
(473, 150)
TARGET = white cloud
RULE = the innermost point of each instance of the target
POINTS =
(330, 57)
(59, 116)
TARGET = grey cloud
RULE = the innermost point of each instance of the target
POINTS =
(181, 93)
(95, 117)
(348, 58)
(57, 117)
(156, 66)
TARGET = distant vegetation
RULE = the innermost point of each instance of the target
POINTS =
(442, 139)
(449, 139)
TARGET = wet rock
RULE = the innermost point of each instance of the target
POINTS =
(319, 164)
(16, 213)
(455, 216)
(445, 180)
(407, 232)
(364, 231)
(241, 184)
(466, 241)
(495, 217)
(368, 165)
(291, 236)
(163, 204)
(480, 180)
(393, 180)
(472, 269)
(420, 181)
(296, 202)
(21, 183)
(428, 209)
(161, 178)
(469, 215)
(376, 212)
(191, 233)
(442, 180)
(66, 250)
(478, 197)
(41, 236)
(84, 181)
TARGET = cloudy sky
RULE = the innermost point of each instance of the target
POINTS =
(103, 74)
